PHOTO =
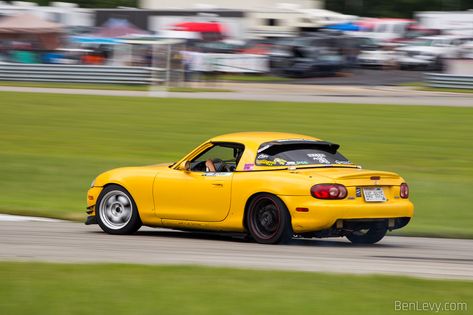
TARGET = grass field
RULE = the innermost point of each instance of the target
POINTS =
(52, 146)
(421, 86)
(31, 288)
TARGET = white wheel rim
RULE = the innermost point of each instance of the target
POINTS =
(115, 209)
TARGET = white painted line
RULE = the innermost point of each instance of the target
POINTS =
(20, 218)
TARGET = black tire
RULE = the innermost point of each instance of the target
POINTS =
(110, 209)
(371, 236)
(268, 220)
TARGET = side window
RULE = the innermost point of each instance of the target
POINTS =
(217, 152)
(223, 157)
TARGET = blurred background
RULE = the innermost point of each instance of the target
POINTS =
(79, 87)
(182, 40)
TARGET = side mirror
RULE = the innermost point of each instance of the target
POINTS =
(185, 166)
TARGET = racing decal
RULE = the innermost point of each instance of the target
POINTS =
(342, 162)
(262, 156)
(319, 157)
(266, 162)
(275, 162)
(263, 148)
(279, 161)
(248, 167)
(217, 174)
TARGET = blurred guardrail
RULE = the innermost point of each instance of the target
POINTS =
(80, 74)
(199, 62)
(442, 80)
(228, 63)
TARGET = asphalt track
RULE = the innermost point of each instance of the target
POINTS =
(61, 241)
(397, 95)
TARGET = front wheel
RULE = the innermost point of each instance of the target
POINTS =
(371, 235)
(268, 220)
(116, 211)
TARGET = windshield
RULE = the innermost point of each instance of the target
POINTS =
(287, 153)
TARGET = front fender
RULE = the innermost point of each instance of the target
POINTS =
(138, 181)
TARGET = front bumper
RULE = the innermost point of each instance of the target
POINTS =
(323, 214)
(373, 62)
(91, 219)
(92, 196)
(414, 61)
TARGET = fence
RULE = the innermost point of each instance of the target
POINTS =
(449, 81)
(230, 63)
(80, 74)
(200, 62)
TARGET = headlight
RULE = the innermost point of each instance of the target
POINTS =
(93, 183)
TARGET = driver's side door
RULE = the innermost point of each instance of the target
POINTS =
(194, 194)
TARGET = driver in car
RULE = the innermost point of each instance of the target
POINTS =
(209, 166)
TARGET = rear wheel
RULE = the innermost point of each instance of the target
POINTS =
(371, 235)
(268, 220)
(116, 211)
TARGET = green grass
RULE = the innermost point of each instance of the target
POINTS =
(121, 87)
(32, 288)
(52, 146)
(420, 86)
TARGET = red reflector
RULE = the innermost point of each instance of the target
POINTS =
(375, 177)
(90, 197)
(302, 209)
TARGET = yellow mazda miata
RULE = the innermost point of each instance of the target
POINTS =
(270, 186)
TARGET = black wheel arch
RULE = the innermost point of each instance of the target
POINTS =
(248, 202)
(122, 187)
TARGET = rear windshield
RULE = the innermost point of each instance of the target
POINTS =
(306, 153)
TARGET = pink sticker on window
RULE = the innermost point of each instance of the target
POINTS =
(248, 167)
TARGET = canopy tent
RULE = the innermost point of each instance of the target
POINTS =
(94, 40)
(115, 28)
(29, 27)
(27, 23)
(199, 27)
(344, 27)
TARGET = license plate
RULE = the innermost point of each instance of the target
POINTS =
(374, 194)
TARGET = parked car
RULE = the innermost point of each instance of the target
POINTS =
(319, 55)
(377, 58)
(466, 49)
(429, 52)
(383, 29)
(321, 63)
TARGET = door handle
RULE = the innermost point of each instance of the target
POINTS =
(217, 184)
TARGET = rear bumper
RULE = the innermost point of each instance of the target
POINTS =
(323, 214)
(415, 61)
(373, 62)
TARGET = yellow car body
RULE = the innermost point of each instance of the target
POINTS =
(173, 196)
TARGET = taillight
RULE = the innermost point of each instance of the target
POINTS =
(328, 191)
(404, 191)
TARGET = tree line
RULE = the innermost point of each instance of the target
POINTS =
(395, 8)
(370, 8)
